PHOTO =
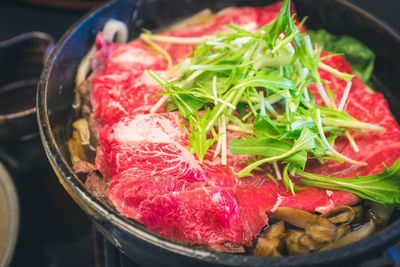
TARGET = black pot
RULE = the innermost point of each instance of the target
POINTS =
(56, 93)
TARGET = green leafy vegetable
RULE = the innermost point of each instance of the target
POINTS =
(197, 133)
(272, 149)
(288, 183)
(359, 55)
(256, 84)
(275, 150)
(383, 187)
(265, 127)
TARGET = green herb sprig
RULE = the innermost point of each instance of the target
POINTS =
(383, 187)
(257, 84)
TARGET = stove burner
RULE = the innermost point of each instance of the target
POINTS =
(9, 217)
(106, 255)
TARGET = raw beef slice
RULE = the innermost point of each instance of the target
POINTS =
(207, 215)
(376, 148)
(130, 188)
(156, 181)
(152, 143)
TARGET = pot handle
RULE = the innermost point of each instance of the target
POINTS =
(21, 61)
(38, 41)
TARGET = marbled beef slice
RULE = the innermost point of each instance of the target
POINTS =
(155, 180)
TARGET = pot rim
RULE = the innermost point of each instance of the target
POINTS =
(367, 246)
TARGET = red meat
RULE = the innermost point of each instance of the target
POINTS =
(375, 148)
(207, 215)
(117, 95)
(130, 188)
(121, 87)
(169, 159)
(152, 142)
(155, 180)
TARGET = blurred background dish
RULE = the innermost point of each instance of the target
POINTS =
(50, 221)
(9, 217)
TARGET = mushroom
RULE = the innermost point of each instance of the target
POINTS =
(293, 245)
(306, 241)
(270, 244)
(380, 213)
(340, 214)
(320, 229)
(266, 246)
(364, 231)
(358, 213)
(342, 230)
(275, 230)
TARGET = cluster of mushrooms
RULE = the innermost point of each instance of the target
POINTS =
(293, 231)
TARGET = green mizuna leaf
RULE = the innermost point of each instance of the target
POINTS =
(359, 55)
(255, 85)
(265, 127)
(274, 150)
(187, 105)
(199, 142)
(382, 188)
(302, 123)
(306, 141)
(288, 183)
(270, 81)
(270, 148)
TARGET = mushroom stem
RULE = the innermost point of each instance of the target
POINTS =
(320, 229)
(364, 231)
(340, 214)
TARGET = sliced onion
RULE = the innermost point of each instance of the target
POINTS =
(116, 30)
(322, 232)
(84, 67)
(276, 253)
(82, 127)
